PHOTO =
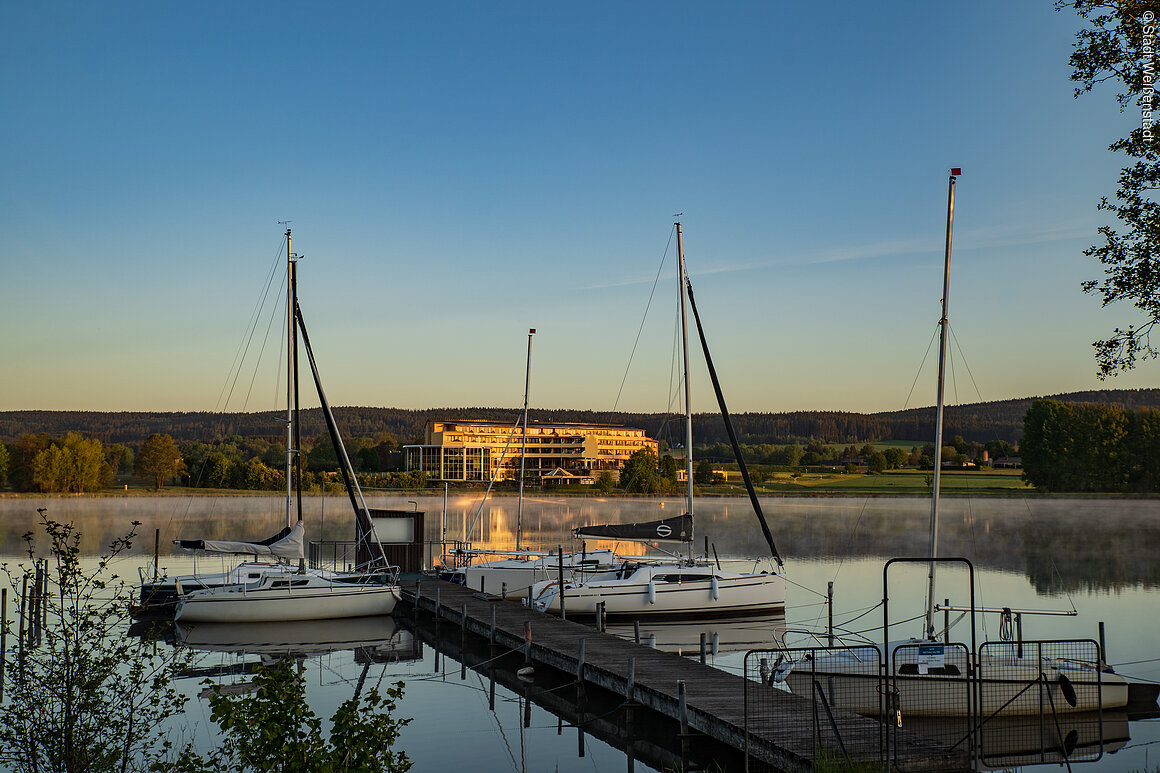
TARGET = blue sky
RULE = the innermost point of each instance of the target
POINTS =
(457, 173)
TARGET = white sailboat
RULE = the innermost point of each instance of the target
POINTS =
(280, 591)
(931, 678)
(684, 588)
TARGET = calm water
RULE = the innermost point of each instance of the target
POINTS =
(1100, 557)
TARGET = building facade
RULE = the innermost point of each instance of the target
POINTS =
(556, 453)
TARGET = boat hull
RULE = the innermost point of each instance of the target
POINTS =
(262, 605)
(641, 597)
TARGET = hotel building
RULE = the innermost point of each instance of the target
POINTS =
(557, 453)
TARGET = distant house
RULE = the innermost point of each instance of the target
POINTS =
(1008, 463)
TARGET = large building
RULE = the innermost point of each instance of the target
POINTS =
(557, 453)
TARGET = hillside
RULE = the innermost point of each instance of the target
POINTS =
(1000, 420)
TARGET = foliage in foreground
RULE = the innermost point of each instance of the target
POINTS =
(273, 729)
(87, 697)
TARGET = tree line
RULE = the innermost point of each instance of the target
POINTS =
(978, 422)
(77, 464)
(1069, 447)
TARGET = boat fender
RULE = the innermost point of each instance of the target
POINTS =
(652, 592)
(713, 589)
(1068, 691)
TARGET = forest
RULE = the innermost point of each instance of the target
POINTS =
(975, 422)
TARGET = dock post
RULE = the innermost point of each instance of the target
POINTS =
(600, 622)
(491, 633)
(482, 582)
(683, 714)
(636, 631)
(560, 554)
(830, 608)
(503, 591)
(580, 663)
(4, 637)
(436, 609)
(156, 552)
(527, 642)
(23, 596)
(702, 648)
(630, 681)
(946, 622)
(1103, 655)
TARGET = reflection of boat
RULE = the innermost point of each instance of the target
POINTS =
(930, 678)
(721, 635)
(1007, 742)
(297, 593)
(683, 588)
(295, 638)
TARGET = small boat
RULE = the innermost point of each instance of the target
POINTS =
(680, 587)
(283, 592)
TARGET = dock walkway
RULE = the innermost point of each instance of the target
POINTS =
(714, 700)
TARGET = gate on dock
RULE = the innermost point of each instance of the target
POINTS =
(847, 705)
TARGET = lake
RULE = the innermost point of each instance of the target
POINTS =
(1098, 556)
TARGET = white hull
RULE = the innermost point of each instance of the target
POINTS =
(519, 574)
(666, 591)
(1005, 687)
(280, 599)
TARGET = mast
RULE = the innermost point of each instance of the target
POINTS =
(688, 386)
(938, 420)
(524, 447)
(289, 377)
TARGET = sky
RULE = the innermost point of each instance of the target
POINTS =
(456, 173)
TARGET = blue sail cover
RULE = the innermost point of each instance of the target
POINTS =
(679, 528)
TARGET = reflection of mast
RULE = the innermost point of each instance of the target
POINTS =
(524, 447)
(938, 419)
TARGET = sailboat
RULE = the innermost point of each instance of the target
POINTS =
(687, 587)
(281, 591)
(933, 678)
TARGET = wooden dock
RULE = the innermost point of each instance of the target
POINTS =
(704, 699)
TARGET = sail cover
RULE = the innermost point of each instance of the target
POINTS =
(676, 529)
(285, 544)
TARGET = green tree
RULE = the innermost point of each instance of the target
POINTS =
(895, 457)
(639, 472)
(668, 468)
(159, 459)
(604, 482)
(876, 462)
(89, 698)
(1110, 47)
(704, 475)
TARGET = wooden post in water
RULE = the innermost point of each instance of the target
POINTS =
(946, 622)
(683, 715)
(830, 608)
(636, 631)
(23, 596)
(1103, 651)
(156, 552)
(580, 662)
(702, 648)
(527, 642)
(4, 636)
(491, 634)
(560, 554)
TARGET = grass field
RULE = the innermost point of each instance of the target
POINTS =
(895, 482)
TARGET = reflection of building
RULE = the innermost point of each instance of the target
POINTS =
(557, 453)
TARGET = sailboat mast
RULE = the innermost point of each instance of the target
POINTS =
(524, 446)
(289, 378)
(938, 420)
(688, 387)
